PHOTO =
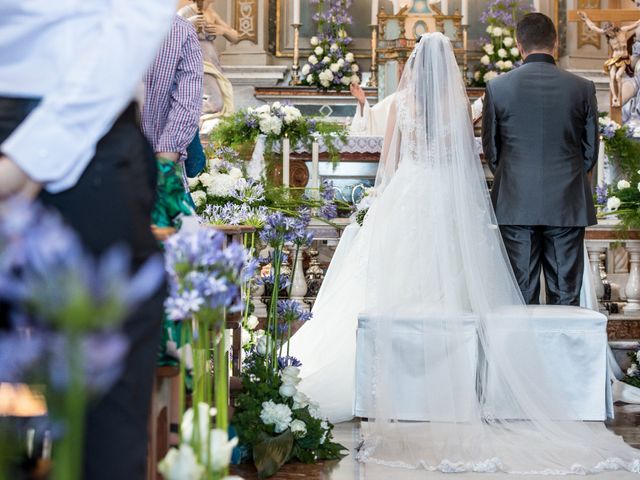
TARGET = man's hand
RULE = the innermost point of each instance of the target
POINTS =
(13, 181)
(173, 156)
(358, 93)
(198, 22)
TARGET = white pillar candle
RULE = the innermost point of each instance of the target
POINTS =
(600, 175)
(444, 6)
(296, 12)
(285, 161)
(465, 12)
(374, 12)
(536, 5)
(315, 167)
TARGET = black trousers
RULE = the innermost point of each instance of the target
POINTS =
(556, 250)
(111, 204)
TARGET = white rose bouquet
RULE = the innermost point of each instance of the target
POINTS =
(499, 51)
(331, 66)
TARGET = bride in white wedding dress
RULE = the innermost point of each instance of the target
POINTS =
(430, 256)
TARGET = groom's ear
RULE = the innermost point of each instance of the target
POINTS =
(523, 54)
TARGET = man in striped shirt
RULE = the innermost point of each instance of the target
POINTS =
(173, 93)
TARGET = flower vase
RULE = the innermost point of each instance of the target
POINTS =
(299, 285)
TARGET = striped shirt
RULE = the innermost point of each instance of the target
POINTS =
(173, 91)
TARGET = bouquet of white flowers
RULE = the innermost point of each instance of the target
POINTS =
(499, 51)
(331, 66)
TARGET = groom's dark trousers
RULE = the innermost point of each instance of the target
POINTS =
(540, 140)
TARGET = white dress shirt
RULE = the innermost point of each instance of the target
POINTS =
(84, 58)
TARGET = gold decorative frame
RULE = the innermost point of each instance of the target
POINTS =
(245, 20)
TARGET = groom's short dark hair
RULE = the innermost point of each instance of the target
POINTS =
(536, 32)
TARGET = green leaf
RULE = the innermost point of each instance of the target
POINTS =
(270, 453)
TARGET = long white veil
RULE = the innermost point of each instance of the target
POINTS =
(439, 290)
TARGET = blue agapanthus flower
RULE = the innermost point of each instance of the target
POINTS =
(292, 311)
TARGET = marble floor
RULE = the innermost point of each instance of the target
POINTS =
(626, 423)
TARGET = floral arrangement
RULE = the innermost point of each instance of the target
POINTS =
(331, 66)
(500, 53)
(275, 122)
(623, 197)
(632, 376)
(68, 308)
(274, 420)
(205, 281)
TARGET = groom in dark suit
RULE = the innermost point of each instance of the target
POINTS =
(540, 138)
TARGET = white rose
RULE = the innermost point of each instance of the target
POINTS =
(355, 79)
(236, 173)
(349, 57)
(314, 410)
(622, 184)
(489, 76)
(515, 52)
(507, 65)
(262, 109)
(181, 464)
(193, 182)
(245, 337)
(497, 32)
(270, 125)
(287, 390)
(261, 345)
(613, 204)
(488, 48)
(500, 64)
(489, 29)
(476, 76)
(309, 78)
(334, 67)
(252, 322)
(355, 67)
(507, 42)
(345, 80)
(326, 60)
(300, 400)
(485, 60)
(206, 179)
(277, 414)
(334, 47)
(502, 53)
(314, 41)
(312, 59)
(341, 62)
(199, 198)
(298, 428)
(318, 50)
(220, 448)
(306, 69)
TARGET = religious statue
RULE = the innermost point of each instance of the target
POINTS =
(620, 61)
(217, 89)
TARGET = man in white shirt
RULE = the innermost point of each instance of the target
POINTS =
(68, 134)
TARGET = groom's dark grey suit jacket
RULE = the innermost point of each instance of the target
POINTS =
(540, 138)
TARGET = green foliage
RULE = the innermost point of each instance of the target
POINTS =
(360, 216)
(269, 447)
(271, 453)
(624, 151)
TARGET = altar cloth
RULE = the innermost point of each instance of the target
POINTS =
(419, 348)
(572, 343)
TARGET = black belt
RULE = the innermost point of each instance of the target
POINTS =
(24, 106)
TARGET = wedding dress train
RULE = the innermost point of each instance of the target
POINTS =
(430, 254)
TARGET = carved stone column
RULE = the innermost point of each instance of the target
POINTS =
(595, 252)
(632, 290)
